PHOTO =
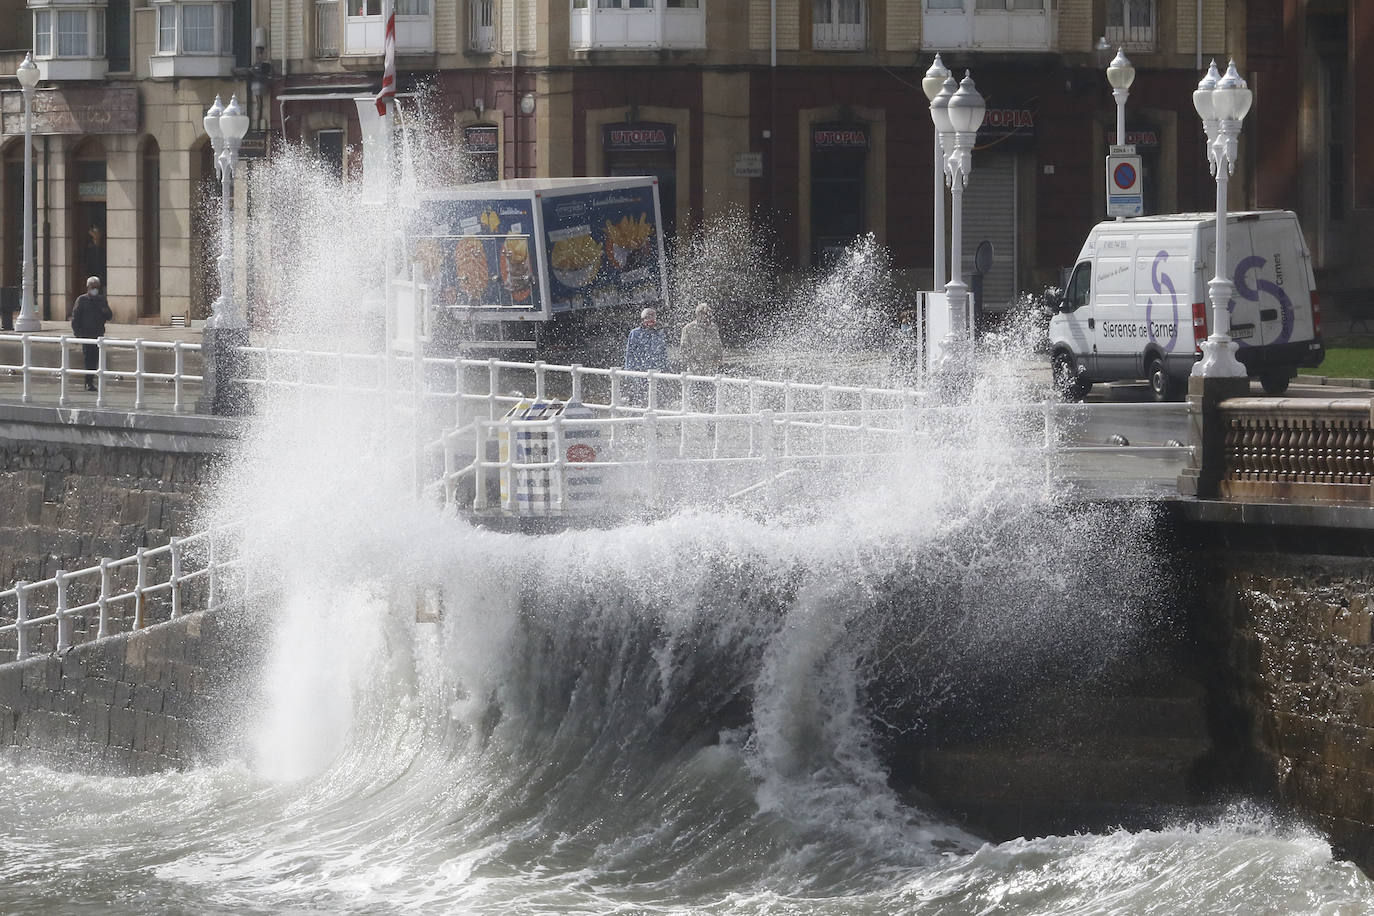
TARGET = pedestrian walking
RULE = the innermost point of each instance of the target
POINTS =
(646, 350)
(701, 348)
(89, 315)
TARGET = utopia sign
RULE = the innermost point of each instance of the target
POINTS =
(72, 111)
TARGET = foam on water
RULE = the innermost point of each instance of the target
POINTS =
(681, 714)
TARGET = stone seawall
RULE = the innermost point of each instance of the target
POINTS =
(1295, 636)
(78, 485)
(161, 698)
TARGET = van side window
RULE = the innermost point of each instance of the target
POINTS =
(1079, 287)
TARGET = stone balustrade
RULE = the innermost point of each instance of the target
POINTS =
(1297, 449)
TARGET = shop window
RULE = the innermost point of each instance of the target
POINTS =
(117, 35)
(1131, 24)
(482, 148)
(637, 24)
(838, 25)
(329, 144)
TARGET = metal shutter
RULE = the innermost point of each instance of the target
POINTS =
(990, 213)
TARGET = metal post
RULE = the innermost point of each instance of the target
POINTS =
(21, 619)
(26, 348)
(178, 368)
(175, 546)
(100, 373)
(102, 601)
(64, 361)
(64, 623)
(479, 467)
(138, 374)
(140, 583)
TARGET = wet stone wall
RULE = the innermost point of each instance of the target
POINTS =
(1296, 639)
(66, 505)
(160, 698)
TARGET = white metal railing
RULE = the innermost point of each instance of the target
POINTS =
(48, 368)
(152, 586)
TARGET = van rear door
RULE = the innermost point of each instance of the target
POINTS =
(1271, 277)
(1245, 311)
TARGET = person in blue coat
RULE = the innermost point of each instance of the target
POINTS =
(646, 350)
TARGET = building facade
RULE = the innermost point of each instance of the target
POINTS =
(808, 114)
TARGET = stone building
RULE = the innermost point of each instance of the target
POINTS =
(809, 113)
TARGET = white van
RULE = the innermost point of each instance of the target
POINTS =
(1136, 304)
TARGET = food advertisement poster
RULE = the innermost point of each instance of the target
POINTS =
(602, 248)
(478, 254)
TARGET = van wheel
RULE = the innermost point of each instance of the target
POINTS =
(1163, 386)
(1067, 382)
(1275, 382)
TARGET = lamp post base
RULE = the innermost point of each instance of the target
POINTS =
(24, 325)
(223, 391)
(1219, 359)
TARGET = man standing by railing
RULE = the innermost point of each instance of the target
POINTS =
(89, 315)
(646, 350)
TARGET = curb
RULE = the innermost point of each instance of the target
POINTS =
(1335, 382)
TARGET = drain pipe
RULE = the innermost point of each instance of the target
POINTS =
(515, 88)
(47, 235)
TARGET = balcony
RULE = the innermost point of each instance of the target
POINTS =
(1131, 24)
(990, 25)
(364, 29)
(637, 24)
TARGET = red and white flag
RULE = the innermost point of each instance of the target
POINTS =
(389, 52)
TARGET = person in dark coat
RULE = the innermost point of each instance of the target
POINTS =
(89, 315)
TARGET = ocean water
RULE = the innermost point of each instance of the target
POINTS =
(683, 714)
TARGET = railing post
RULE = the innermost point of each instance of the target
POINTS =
(826, 418)
(479, 466)
(753, 390)
(539, 391)
(64, 623)
(211, 572)
(178, 366)
(459, 392)
(560, 469)
(493, 385)
(651, 454)
(766, 447)
(649, 378)
(21, 620)
(1047, 448)
(138, 373)
(140, 584)
(100, 372)
(175, 546)
(789, 405)
(64, 366)
(103, 600)
(26, 369)
(718, 409)
(576, 383)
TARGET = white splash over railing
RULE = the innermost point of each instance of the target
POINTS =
(50, 367)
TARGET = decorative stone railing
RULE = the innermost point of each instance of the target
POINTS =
(1297, 449)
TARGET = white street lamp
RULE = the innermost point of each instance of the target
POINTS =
(932, 85)
(227, 330)
(965, 112)
(226, 126)
(28, 320)
(1120, 75)
(1222, 104)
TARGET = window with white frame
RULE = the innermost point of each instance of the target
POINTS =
(637, 24)
(69, 32)
(364, 30)
(195, 29)
(838, 25)
(990, 25)
(1131, 24)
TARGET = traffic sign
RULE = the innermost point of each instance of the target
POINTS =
(1125, 195)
